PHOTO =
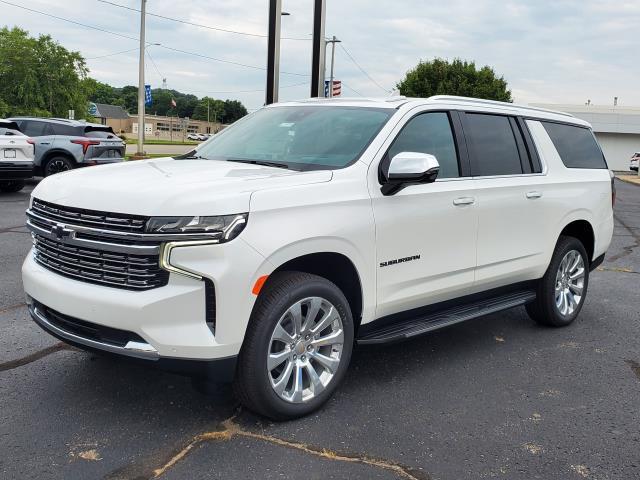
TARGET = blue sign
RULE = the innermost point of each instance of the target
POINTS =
(326, 88)
(147, 95)
(93, 109)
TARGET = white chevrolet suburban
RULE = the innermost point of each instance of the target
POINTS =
(264, 255)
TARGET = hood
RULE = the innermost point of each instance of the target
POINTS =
(169, 187)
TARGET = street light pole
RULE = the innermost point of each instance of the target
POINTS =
(333, 42)
(141, 91)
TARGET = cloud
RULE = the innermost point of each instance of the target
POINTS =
(548, 50)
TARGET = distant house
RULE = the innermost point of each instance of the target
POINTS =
(113, 115)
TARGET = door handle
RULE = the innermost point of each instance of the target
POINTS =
(534, 194)
(464, 201)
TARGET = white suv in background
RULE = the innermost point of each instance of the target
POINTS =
(264, 255)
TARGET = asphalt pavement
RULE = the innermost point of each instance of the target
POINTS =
(497, 397)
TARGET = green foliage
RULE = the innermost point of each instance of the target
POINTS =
(39, 77)
(441, 77)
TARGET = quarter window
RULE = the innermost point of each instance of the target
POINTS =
(34, 129)
(493, 145)
(428, 133)
(576, 146)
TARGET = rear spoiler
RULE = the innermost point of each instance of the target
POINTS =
(99, 129)
(10, 125)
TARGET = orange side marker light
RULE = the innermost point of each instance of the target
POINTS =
(259, 284)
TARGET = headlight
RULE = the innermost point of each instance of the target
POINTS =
(222, 228)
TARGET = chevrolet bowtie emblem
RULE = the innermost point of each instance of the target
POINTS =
(60, 231)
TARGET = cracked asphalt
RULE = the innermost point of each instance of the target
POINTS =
(498, 397)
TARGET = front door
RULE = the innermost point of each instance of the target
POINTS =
(425, 234)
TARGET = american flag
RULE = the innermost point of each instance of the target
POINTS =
(337, 88)
(173, 103)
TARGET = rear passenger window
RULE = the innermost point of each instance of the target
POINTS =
(493, 145)
(428, 133)
(34, 129)
(66, 130)
(576, 146)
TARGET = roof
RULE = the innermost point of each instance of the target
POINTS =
(63, 121)
(445, 101)
(110, 111)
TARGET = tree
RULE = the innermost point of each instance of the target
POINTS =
(216, 110)
(40, 77)
(233, 110)
(441, 77)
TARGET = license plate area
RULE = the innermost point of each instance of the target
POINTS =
(9, 153)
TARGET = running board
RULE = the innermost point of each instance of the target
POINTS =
(413, 327)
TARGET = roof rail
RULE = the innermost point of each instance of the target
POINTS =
(481, 101)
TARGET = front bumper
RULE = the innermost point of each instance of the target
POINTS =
(169, 321)
(15, 170)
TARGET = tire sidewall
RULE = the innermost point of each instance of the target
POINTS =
(564, 247)
(318, 287)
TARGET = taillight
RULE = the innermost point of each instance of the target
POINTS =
(85, 143)
(31, 141)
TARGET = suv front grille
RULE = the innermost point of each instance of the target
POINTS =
(120, 270)
(89, 218)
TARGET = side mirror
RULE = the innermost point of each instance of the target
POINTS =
(410, 168)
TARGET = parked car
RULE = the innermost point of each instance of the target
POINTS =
(633, 165)
(264, 255)
(195, 136)
(62, 145)
(16, 157)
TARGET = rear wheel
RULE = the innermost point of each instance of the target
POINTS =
(297, 347)
(57, 165)
(11, 186)
(563, 289)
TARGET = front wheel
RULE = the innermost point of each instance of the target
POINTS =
(297, 346)
(563, 289)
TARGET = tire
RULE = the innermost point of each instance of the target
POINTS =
(57, 164)
(11, 186)
(265, 391)
(556, 291)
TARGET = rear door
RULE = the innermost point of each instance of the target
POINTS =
(425, 234)
(513, 230)
(42, 134)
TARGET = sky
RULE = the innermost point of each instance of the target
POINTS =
(549, 51)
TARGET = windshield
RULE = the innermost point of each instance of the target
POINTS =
(300, 138)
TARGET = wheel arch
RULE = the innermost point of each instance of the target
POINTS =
(336, 267)
(56, 152)
(583, 231)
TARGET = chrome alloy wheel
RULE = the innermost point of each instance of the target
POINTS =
(570, 283)
(305, 349)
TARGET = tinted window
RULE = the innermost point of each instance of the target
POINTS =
(66, 130)
(577, 146)
(428, 133)
(493, 145)
(34, 129)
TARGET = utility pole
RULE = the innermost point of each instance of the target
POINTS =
(273, 51)
(141, 90)
(318, 49)
(333, 42)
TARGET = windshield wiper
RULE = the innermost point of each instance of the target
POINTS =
(266, 163)
(190, 156)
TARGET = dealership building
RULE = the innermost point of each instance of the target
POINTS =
(617, 129)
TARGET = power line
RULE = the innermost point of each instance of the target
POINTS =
(352, 89)
(67, 20)
(209, 27)
(112, 54)
(136, 39)
(248, 91)
(363, 70)
(153, 62)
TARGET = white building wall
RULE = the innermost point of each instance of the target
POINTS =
(618, 148)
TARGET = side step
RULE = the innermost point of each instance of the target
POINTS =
(412, 327)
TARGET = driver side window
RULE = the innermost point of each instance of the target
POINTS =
(427, 133)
